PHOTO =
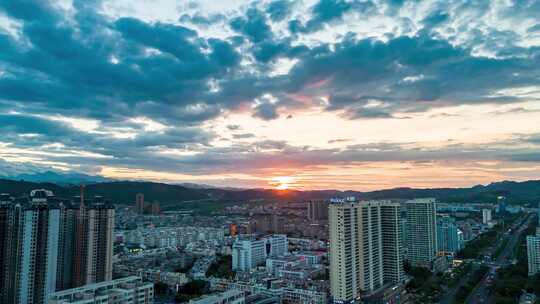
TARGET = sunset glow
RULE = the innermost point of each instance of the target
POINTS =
(282, 182)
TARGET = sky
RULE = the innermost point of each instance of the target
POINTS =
(286, 94)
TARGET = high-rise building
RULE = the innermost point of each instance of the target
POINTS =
(486, 216)
(40, 252)
(67, 239)
(533, 254)
(38, 242)
(421, 232)
(449, 237)
(92, 261)
(129, 290)
(538, 215)
(7, 252)
(139, 203)
(392, 242)
(317, 210)
(365, 250)
(100, 219)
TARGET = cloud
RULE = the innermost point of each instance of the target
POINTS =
(87, 62)
(436, 18)
(534, 28)
(518, 110)
(266, 111)
(234, 127)
(408, 74)
(326, 11)
(254, 25)
(202, 20)
(243, 135)
(339, 140)
(278, 10)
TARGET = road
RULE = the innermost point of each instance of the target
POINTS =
(450, 295)
(480, 293)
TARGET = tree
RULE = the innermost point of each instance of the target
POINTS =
(221, 268)
(192, 290)
(161, 288)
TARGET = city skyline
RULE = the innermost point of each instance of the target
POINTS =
(314, 94)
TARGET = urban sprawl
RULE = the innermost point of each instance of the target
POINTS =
(91, 250)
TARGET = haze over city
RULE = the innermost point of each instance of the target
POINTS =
(328, 94)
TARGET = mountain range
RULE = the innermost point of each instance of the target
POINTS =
(123, 192)
(61, 178)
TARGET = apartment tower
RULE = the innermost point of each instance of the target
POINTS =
(365, 246)
(95, 242)
(139, 203)
(41, 237)
(421, 232)
(317, 210)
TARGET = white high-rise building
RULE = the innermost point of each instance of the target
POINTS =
(53, 244)
(533, 254)
(248, 254)
(486, 216)
(421, 231)
(364, 247)
(392, 242)
(39, 251)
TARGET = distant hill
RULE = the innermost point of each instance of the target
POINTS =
(62, 178)
(119, 192)
(123, 192)
(516, 192)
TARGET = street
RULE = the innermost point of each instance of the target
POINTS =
(480, 293)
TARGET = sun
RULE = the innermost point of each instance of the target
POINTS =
(282, 182)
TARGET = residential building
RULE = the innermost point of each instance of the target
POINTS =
(449, 237)
(7, 241)
(99, 248)
(364, 247)
(311, 257)
(50, 244)
(155, 208)
(248, 253)
(139, 203)
(226, 297)
(37, 235)
(317, 210)
(391, 242)
(533, 254)
(421, 231)
(129, 290)
(486, 216)
(277, 245)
